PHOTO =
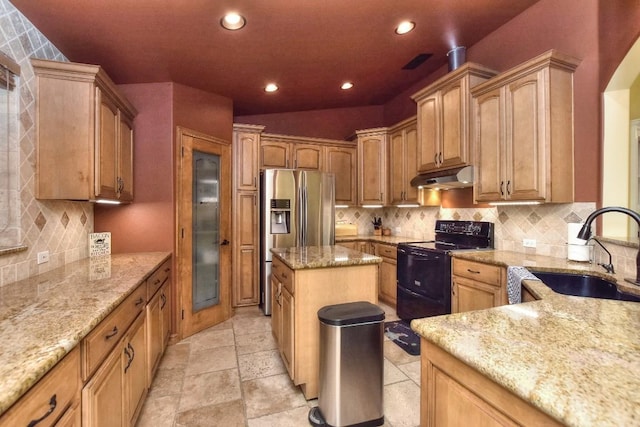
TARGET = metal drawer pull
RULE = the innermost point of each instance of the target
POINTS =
(473, 271)
(164, 301)
(126, 368)
(113, 333)
(156, 282)
(140, 301)
(52, 407)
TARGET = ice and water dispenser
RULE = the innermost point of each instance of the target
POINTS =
(280, 216)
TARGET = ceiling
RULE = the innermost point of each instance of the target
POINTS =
(307, 47)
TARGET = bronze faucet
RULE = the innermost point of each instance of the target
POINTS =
(585, 231)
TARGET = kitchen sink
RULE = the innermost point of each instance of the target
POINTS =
(583, 286)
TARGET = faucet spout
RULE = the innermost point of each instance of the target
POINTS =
(585, 231)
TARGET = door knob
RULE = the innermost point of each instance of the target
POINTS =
(224, 242)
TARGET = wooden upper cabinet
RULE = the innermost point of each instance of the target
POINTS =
(443, 118)
(275, 154)
(246, 144)
(84, 134)
(341, 161)
(403, 162)
(372, 166)
(307, 156)
(523, 132)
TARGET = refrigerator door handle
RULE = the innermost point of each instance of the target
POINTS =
(305, 216)
(300, 219)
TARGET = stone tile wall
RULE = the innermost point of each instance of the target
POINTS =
(547, 224)
(60, 227)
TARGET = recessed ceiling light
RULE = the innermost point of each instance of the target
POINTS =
(271, 87)
(346, 85)
(405, 26)
(233, 21)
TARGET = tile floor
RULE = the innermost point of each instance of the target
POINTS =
(231, 375)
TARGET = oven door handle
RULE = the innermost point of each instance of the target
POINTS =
(414, 294)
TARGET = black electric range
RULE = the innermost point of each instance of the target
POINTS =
(424, 268)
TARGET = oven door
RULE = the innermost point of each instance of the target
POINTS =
(424, 272)
(411, 305)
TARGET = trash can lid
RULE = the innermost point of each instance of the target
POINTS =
(350, 313)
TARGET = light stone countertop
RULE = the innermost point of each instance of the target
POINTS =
(298, 258)
(44, 317)
(390, 240)
(576, 359)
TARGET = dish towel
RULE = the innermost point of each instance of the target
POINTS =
(515, 276)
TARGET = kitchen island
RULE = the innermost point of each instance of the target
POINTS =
(303, 280)
(560, 360)
(46, 317)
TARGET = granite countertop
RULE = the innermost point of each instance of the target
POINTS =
(576, 359)
(44, 317)
(298, 258)
(390, 240)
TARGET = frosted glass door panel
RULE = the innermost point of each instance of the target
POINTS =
(206, 230)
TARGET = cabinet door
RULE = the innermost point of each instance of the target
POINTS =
(103, 396)
(454, 126)
(364, 247)
(165, 309)
(155, 339)
(274, 154)
(246, 271)
(372, 169)
(525, 135)
(469, 295)
(71, 418)
(106, 143)
(287, 347)
(125, 159)
(429, 137)
(397, 174)
(276, 310)
(488, 136)
(307, 157)
(411, 162)
(247, 167)
(342, 163)
(134, 370)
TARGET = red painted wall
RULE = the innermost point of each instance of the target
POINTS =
(148, 223)
(340, 123)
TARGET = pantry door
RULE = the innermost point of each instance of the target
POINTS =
(204, 231)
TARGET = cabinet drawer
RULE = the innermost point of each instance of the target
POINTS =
(388, 251)
(283, 274)
(486, 273)
(104, 337)
(157, 278)
(47, 401)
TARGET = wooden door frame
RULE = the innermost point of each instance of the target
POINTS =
(180, 262)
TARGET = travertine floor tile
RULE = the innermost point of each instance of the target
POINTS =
(296, 417)
(230, 414)
(209, 388)
(244, 325)
(402, 404)
(212, 338)
(260, 364)
(175, 356)
(252, 343)
(392, 374)
(270, 395)
(167, 382)
(211, 359)
(158, 411)
(412, 370)
(396, 355)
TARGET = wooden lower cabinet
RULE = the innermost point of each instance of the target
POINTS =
(477, 286)
(51, 398)
(71, 418)
(158, 329)
(297, 297)
(388, 285)
(115, 394)
(454, 394)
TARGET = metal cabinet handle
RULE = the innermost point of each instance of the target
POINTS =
(52, 407)
(225, 242)
(502, 188)
(255, 181)
(509, 187)
(126, 351)
(435, 158)
(164, 301)
(113, 333)
(473, 271)
(139, 301)
(441, 157)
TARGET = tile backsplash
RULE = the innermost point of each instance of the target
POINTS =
(547, 224)
(59, 227)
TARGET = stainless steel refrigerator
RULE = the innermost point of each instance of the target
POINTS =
(297, 209)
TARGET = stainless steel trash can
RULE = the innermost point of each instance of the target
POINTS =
(351, 366)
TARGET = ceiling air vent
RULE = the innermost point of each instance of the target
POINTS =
(417, 61)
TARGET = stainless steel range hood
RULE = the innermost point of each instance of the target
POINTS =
(452, 178)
